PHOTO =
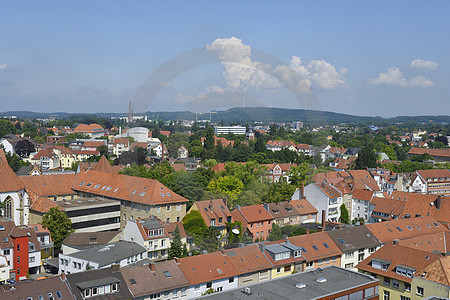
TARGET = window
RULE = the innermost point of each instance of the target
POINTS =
(94, 291)
(419, 291)
(287, 268)
(5, 239)
(168, 208)
(18, 259)
(395, 283)
(114, 287)
(407, 287)
(158, 209)
(178, 205)
(360, 257)
(326, 245)
(348, 254)
(349, 266)
(6, 252)
(209, 285)
(231, 280)
(386, 295)
(387, 281)
(309, 264)
(59, 295)
(219, 289)
(8, 207)
(31, 259)
(404, 298)
(315, 247)
(372, 250)
(278, 270)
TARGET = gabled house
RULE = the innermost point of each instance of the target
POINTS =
(183, 152)
(307, 212)
(432, 182)
(208, 272)
(77, 241)
(215, 213)
(283, 213)
(154, 235)
(250, 263)
(324, 196)
(407, 273)
(356, 243)
(284, 257)
(162, 280)
(318, 250)
(255, 219)
(278, 145)
(361, 207)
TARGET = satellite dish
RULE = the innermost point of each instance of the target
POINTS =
(235, 231)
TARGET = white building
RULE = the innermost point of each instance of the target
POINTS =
(104, 256)
(139, 134)
(323, 196)
(229, 129)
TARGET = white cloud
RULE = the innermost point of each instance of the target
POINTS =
(325, 75)
(3, 66)
(241, 72)
(426, 65)
(420, 81)
(395, 77)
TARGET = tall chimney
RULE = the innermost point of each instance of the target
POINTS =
(151, 266)
(302, 191)
(63, 276)
(324, 222)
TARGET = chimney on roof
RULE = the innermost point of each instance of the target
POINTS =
(115, 267)
(210, 204)
(151, 266)
(438, 201)
(63, 276)
(324, 222)
(302, 190)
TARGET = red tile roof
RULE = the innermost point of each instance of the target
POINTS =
(213, 209)
(397, 229)
(253, 213)
(135, 189)
(50, 185)
(207, 267)
(9, 180)
(92, 128)
(303, 207)
(307, 241)
(398, 255)
(445, 152)
(248, 259)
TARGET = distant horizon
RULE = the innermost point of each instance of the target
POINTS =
(212, 111)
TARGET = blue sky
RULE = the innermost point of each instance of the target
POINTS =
(382, 58)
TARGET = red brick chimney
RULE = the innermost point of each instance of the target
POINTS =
(151, 266)
(324, 221)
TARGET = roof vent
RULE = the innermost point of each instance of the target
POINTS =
(300, 285)
(321, 280)
(246, 291)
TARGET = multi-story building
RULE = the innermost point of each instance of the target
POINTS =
(431, 182)
(93, 130)
(407, 273)
(356, 243)
(229, 129)
(77, 241)
(284, 257)
(120, 145)
(324, 196)
(278, 145)
(139, 197)
(55, 139)
(215, 213)
(255, 219)
(361, 207)
(21, 248)
(163, 280)
(154, 235)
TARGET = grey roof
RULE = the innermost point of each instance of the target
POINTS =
(355, 238)
(291, 246)
(25, 170)
(151, 223)
(92, 275)
(276, 248)
(110, 253)
(89, 238)
(97, 282)
(337, 279)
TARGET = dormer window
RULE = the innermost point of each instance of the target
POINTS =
(298, 253)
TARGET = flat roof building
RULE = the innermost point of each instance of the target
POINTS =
(324, 283)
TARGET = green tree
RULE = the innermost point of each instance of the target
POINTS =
(301, 174)
(193, 223)
(176, 246)
(209, 163)
(103, 149)
(246, 238)
(6, 127)
(208, 240)
(366, 159)
(24, 148)
(15, 162)
(59, 225)
(229, 185)
(209, 139)
(276, 233)
(344, 218)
